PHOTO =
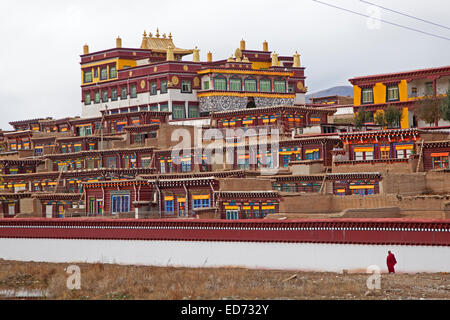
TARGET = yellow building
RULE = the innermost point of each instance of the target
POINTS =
(377, 92)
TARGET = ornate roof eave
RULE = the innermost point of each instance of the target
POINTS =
(289, 108)
(413, 74)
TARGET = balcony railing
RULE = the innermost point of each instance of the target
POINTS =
(373, 161)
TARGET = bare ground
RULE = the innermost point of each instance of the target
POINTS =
(103, 281)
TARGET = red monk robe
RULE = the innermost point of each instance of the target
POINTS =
(391, 262)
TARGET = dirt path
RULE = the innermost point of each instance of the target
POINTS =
(100, 281)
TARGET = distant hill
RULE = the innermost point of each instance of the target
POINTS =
(340, 91)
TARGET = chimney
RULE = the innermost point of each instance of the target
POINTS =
(118, 42)
(265, 46)
(242, 45)
(85, 49)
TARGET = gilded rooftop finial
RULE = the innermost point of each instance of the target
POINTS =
(157, 32)
(170, 56)
(296, 60)
(170, 35)
(274, 59)
(145, 34)
(196, 56)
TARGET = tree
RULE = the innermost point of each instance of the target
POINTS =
(361, 117)
(393, 116)
(445, 107)
(379, 118)
(429, 110)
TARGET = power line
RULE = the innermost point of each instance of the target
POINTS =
(385, 21)
(406, 15)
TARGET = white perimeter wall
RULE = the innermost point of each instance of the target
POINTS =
(291, 256)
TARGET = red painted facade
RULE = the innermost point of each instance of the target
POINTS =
(342, 231)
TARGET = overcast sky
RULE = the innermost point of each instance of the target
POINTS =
(41, 41)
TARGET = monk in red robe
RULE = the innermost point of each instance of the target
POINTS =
(391, 262)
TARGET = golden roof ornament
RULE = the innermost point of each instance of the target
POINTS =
(238, 54)
(85, 49)
(242, 45)
(245, 59)
(118, 42)
(159, 45)
(265, 46)
(296, 60)
(170, 55)
(230, 59)
(196, 56)
(145, 34)
(210, 57)
(274, 59)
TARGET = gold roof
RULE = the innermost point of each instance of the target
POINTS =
(160, 44)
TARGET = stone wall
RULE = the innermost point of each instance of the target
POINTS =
(421, 206)
(306, 167)
(438, 182)
(247, 184)
(31, 206)
(395, 167)
(404, 184)
(434, 182)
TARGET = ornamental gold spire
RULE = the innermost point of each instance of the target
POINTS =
(274, 59)
(170, 55)
(210, 57)
(85, 49)
(265, 46)
(196, 55)
(157, 33)
(242, 45)
(118, 42)
(296, 60)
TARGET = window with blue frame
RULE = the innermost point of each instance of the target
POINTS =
(186, 166)
(244, 162)
(312, 154)
(285, 160)
(111, 162)
(201, 203)
(169, 206)
(359, 192)
(232, 214)
(120, 203)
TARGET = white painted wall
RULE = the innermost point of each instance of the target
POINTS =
(342, 110)
(289, 256)
(195, 122)
(93, 110)
(442, 85)
(300, 98)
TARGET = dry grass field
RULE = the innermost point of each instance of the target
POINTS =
(100, 281)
